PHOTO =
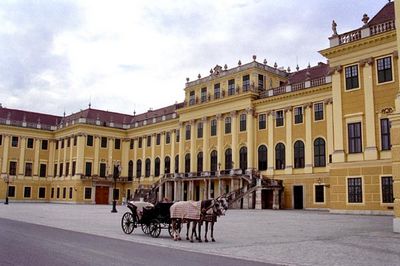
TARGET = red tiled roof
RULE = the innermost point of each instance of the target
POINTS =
(385, 14)
(319, 71)
(29, 117)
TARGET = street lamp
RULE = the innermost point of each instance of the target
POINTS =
(116, 173)
(7, 180)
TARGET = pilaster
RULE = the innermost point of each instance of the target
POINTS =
(64, 157)
(220, 140)
(235, 135)
(71, 153)
(6, 147)
(289, 145)
(162, 159)
(206, 132)
(329, 127)
(250, 137)
(309, 144)
(135, 156)
(153, 153)
(271, 148)
(338, 154)
(181, 148)
(96, 162)
(193, 160)
(110, 164)
(52, 150)
(21, 162)
(37, 158)
(125, 157)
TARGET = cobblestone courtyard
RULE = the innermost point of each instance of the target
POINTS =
(282, 237)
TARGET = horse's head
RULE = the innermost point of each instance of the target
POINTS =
(220, 205)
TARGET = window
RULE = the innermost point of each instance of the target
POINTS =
(167, 165)
(140, 142)
(11, 191)
(199, 130)
(387, 189)
(318, 111)
(148, 141)
(167, 137)
(280, 156)
(158, 139)
(246, 83)
(103, 142)
(231, 87)
(385, 134)
(138, 168)
(262, 121)
(14, 142)
(45, 143)
(203, 95)
(73, 168)
(200, 162)
(354, 137)
(62, 144)
(58, 193)
(75, 140)
(42, 172)
(319, 153)
(354, 189)
(117, 144)
(319, 194)
(70, 192)
(299, 154)
(56, 144)
(1, 140)
(351, 74)
(28, 169)
(298, 115)
(89, 140)
(27, 192)
(29, 143)
(213, 127)
(177, 135)
(279, 118)
(242, 125)
(61, 169)
(55, 170)
(67, 169)
(52, 193)
(191, 98)
(157, 167)
(88, 193)
(103, 168)
(64, 192)
(384, 69)
(228, 159)
(214, 161)
(88, 169)
(260, 82)
(262, 158)
(187, 134)
(13, 168)
(217, 91)
(68, 142)
(176, 163)
(187, 163)
(130, 170)
(228, 125)
(243, 159)
(147, 167)
(131, 144)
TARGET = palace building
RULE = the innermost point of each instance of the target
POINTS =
(323, 137)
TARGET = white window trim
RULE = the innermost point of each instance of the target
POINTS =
(314, 200)
(294, 114)
(45, 192)
(84, 192)
(266, 122)
(380, 191)
(23, 192)
(323, 112)
(344, 78)
(283, 116)
(376, 70)
(15, 191)
(363, 191)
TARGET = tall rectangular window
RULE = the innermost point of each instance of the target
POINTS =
(55, 170)
(52, 193)
(61, 169)
(140, 142)
(68, 142)
(387, 189)
(88, 169)
(167, 137)
(246, 83)
(354, 190)
(385, 134)
(279, 118)
(203, 95)
(318, 111)
(103, 142)
(187, 130)
(177, 137)
(231, 87)
(148, 141)
(42, 192)
(199, 130)
(351, 74)
(158, 139)
(45, 143)
(62, 143)
(131, 144)
(103, 168)
(192, 98)
(260, 82)
(75, 140)
(228, 125)
(29, 143)
(384, 66)
(88, 192)
(64, 192)
(73, 168)
(213, 127)
(58, 193)
(319, 193)
(13, 168)
(14, 141)
(67, 169)
(28, 169)
(217, 91)
(298, 115)
(27, 192)
(262, 121)
(89, 140)
(242, 125)
(354, 137)
(42, 172)
(117, 144)
(11, 191)
(56, 144)
(70, 192)
(1, 140)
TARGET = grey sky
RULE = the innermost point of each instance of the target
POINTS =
(136, 55)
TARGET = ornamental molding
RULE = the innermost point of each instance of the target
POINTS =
(369, 61)
(387, 110)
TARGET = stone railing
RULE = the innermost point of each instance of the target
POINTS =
(26, 124)
(349, 36)
(383, 27)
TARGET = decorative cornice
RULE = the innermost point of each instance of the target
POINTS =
(365, 61)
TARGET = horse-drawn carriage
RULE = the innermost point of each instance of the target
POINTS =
(151, 218)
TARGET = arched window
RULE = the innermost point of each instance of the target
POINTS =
(200, 162)
(167, 165)
(147, 166)
(157, 167)
(214, 161)
(280, 156)
(228, 159)
(299, 154)
(262, 158)
(187, 163)
(319, 152)
(243, 159)
(176, 163)
(130, 170)
(138, 168)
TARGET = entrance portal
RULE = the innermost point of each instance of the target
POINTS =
(298, 197)
(267, 199)
(102, 194)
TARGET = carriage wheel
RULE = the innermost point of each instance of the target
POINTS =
(146, 228)
(155, 228)
(171, 231)
(127, 223)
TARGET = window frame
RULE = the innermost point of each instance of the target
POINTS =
(360, 195)
(89, 141)
(280, 118)
(262, 121)
(242, 122)
(228, 125)
(317, 113)
(351, 79)
(297, 121)
(86, 191)
(200, 130)
(385, 136)
(385, 69)
(382, 190)
(352, 140)
(213, 127)
(14, 141)
(323, 194)
(26, 189)
(103, 142)
(321, 157)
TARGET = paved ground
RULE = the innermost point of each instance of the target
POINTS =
(281, 237)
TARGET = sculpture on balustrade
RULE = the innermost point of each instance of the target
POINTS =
(334, 25)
